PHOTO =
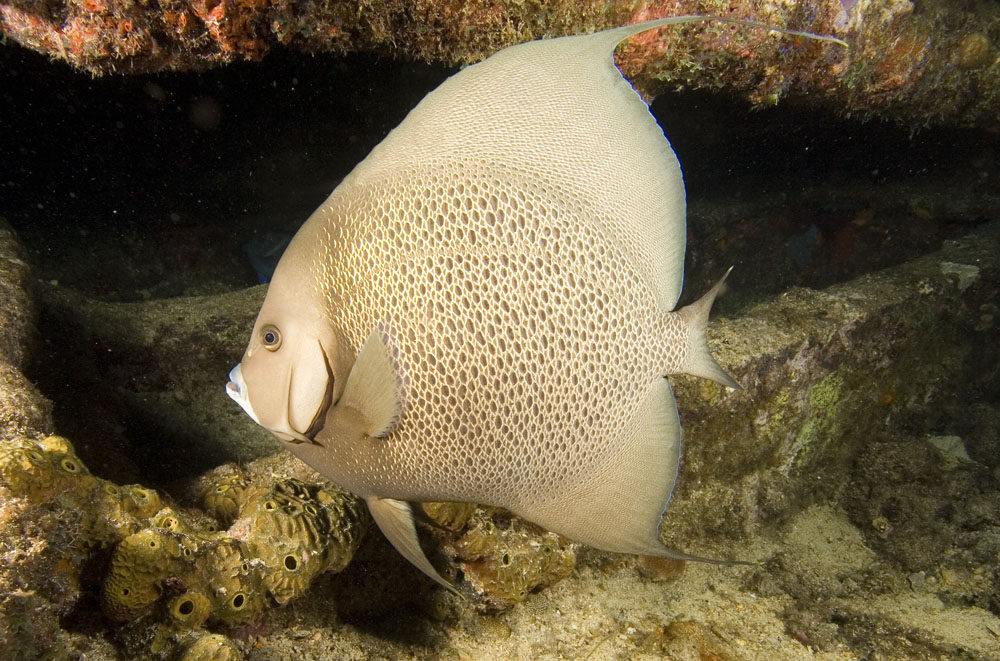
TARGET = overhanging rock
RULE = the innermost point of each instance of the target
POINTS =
(936, 63)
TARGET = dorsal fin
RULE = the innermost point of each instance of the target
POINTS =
(560, 112)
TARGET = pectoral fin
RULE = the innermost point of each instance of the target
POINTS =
(395, 518)
(373, 388)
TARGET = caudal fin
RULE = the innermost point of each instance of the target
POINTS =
(695, 317)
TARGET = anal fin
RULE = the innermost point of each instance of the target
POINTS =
(395, 518)
(620, 508)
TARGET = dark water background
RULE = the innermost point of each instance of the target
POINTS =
(146, 186)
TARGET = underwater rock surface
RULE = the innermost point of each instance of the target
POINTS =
(871, 542)
(144, 378)
(23, 409)
(936, 63)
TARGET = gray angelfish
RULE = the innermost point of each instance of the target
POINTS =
(482, 310)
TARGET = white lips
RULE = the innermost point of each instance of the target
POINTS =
(237, 390)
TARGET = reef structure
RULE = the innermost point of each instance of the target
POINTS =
(823, 372)
(172, 572)
(933, 63)
(254, 542)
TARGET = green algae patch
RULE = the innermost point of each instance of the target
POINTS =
(825, 403)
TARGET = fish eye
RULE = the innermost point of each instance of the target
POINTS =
(271, 338)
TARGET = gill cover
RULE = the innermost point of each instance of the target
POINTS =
(291, 389)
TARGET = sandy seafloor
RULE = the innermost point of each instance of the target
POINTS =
(143, 188)
(608, 610)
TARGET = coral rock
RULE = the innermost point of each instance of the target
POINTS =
(450, 515)
(210, 647)
(286, 535)
(170, 565)
(899, 64)
(504, 558)
(974, 51)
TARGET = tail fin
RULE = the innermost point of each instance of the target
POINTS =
(695, 317)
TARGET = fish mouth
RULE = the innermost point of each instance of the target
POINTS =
(237, 391)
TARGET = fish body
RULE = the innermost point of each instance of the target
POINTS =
(483, 310)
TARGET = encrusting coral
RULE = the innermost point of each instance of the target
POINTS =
(175, 566)
(503, 558)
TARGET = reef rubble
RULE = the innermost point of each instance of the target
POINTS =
(935, 62)
(827, 470)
